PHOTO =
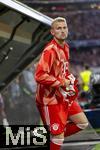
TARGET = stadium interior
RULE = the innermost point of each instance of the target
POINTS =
(22, 38)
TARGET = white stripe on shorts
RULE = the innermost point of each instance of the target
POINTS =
(47, 115)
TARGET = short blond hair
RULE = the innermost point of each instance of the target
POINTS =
(58, 19)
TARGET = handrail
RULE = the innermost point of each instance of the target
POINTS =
(30, 12)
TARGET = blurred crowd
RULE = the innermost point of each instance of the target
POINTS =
(83, 20)
(80, 57)
(82, 24)
(79, 60)
(19, 99)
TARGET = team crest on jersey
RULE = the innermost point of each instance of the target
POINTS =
(55, 126)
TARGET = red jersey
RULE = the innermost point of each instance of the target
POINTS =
(51, 72)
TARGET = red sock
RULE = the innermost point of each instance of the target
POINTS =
(71, 128)
(54, 146)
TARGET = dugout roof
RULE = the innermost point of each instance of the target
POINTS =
(23, 33)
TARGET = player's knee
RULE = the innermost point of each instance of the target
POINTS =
(58, 139)
(82, 125)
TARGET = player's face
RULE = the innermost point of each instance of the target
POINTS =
(60, 30)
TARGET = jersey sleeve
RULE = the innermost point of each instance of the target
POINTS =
(43, 73)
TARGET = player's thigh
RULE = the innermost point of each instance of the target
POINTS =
(55, 117)
(76, 114)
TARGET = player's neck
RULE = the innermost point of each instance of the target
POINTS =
(60, 42)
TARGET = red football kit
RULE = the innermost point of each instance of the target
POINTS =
(51, 72)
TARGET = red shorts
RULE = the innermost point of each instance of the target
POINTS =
(56, 116)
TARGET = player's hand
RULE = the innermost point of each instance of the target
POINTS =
(68, 91)
(71, 78)
(67, 83)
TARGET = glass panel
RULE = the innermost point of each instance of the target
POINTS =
(19, 35)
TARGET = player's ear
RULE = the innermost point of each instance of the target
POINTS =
(52, 32)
